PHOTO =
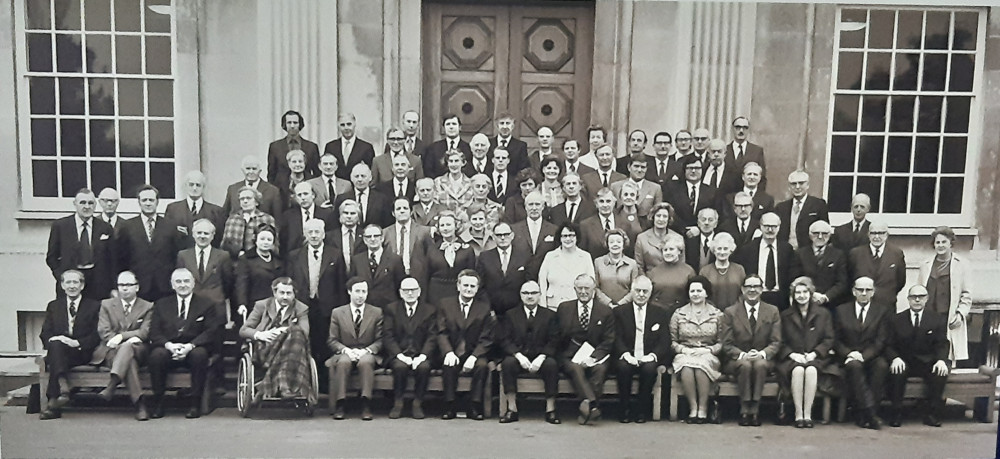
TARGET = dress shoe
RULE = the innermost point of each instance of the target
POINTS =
(895, 420)
(157, 410)
(418, 410)
(754, 420)
(552, 418)
(193, 413)
(397, 410)
(800, 424)
(808, 423)
(50, 414)
(60, 401)
(449, 414)
(625, 417)
(474, 413)
(584, 412)
(932, 420)
(108, 393)
(744, 420)
(640, 419)
(874, 422)
(338, 412)
(366, 413)
(595, 413)
(141, 414)
(509, 417)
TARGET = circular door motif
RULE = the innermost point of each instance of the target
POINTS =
(547, 106)
(471, 103)
(548, 45)
(467, 42)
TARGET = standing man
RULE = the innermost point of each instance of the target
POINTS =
(502, 270)
(860, 332)
(825, 264)
(854, 233)
(762, 202)
(436, 155)
(718, 174)
(701, 138)
(373, 206)
(381, 269)
(544, 149)
(402, 237)
(535, 235)
(184, 332)
(123, 327)
(571, 152)
(751, 337)
(327, 187)
(69, 335)
(642, 343)
(637, 143)
(212, 267)
(270, 200)
(109, 198)
(504, 184)
(800, 211)
(697, 252)
(426, 208)
(771, 259)
(663, 166)
(182, 214)
(689, 196)
(348, 149)
(413, 144)
(86, 244)
(479, 161)
(293, 220)
(277, 164)
(594, 228)
(741, 151)
(465, 335)
(355, 339)
(604, 175)
(741, 223)
(527, 336)
(383, 165)
(882, 262)
(506, 139)
(148, 246)
(401, 184)
(650, 192)
(575, 207)
(410, 338)
(586, 337)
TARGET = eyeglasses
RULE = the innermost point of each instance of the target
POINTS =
(533, 292)
(502, 234)
(753, 286)
(133, 284)
(569, 235)
(396, 139)
(770, 226)
(664, 142)
(917, 297)
(683, 139)
(372, 236)
(814, 233)
(701, 138)
(741, 127)
(878, 233)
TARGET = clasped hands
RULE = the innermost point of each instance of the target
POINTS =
(753, 354)
(531, 366)
(355, 354)
(802, 358)
(412, 362)
(638, 360)
(450, 360)
(179, 351)
(65, 340)
(116, 341)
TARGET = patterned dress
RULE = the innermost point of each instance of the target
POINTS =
(454, 195)
(691, 330)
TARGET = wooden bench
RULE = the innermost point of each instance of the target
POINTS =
(96, 377)
(533, 384)
(725, 386)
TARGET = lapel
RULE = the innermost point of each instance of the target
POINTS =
(327, 258)
(741, 312)
(366, 318)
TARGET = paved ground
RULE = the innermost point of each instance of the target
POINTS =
(280, 432)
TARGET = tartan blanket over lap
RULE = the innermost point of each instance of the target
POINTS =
(286, 366)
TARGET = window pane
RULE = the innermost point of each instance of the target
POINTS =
(963, 67)
(161, 98)
(71, 96)
(950, 198)
(845, 113)
(161, 175)
(102, 96)
(103, 175)
(839, 200)
(922, 196)
(156, 22)
(99, 53)
(929, 117)
(43, 95)
(67, 14)
(936, 35)
(849, 71)
(909, 29)
(873, 114)
(870, 154)
(872, 186)
(133, 176)
(38, 14)
(898, 154)
(842, 154)
(39, 52)
(130, 97)
(129, 54)
(966, 31)
(68, 50)
(897, 192)
(43, 137)
(44, 181)
(877, 73)
(902, 114)
(855, 38)
(73, 138)
(98, 14)
(127, 15)
(925, 155)
(935, 71)
(907, 66)
(161, 139)
(958, 114)
(102, 138)
(74, 177)
(158, 55)
(131, 139)
(882, 28)
(953, 160)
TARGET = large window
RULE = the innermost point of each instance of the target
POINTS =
(96, 95)
(904, 122)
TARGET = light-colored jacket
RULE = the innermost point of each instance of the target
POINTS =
(958, 336)
(559, 270)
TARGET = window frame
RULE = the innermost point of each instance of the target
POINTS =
(963, 219)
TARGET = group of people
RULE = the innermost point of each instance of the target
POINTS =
(452, 254)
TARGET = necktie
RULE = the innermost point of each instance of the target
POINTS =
(499, 186)
(182, 312)
(72, 315)
(409, 144)
(402, 243)
(361, 204)
(479, 166)
(194, 209)
(704, 246)
(878, 255)
(315, 254)
(503, 144)
(751, 193)
(409, 311)
(916, 320)
(357, 321)
(86, 251)
(739, 153)
(401, 191)
(861, 315)
(504, 260)
(329, 190)
(572, 211)
(306, 212)
(743, 227)
(465, 310)
(857, 227)
(201, 262)
(713, 176)
(604, 179)
(753, 317)
(770, 281)
(531, 315)
(793, 224)
(693, 197)
(607, 224)
(585, 317)
(149, 229)
(819, 252)
(663, 168)
(350, 243)
(372, 263)
(451, 144)
(572, 168)
(128, 309)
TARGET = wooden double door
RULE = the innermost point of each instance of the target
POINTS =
(532, 61)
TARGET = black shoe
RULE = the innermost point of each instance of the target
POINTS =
(895, 420)
(800, 424)
(338, 412)
(874, 422)
(640, 419)
(193, 413)
(474, 413)
(552, 418)
(509, 417)
(585, 412)
(625, 417)
(808, 423)
(50, 414)
(754, 420)
(449, 413)
(157, 410)
(397, 410)
(59, 402)
(932, 420)
(418, 410)
(744, 420)
(141, 414)
(366, 409)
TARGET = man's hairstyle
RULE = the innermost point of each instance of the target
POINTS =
(349, 202)
(505, 116)
(644, 137)
(354, 281)
(448, 116)
(62, 277)
(203, 222)
(284, 280)
(146, 187)
(661, 134)
(741, 117)
(302, 121)
(469, 273)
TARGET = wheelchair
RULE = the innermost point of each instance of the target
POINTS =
(250, 377)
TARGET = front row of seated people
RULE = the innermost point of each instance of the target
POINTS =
(860, 343)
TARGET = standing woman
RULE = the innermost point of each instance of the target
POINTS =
(242, 226)
(946, 279)
(255, 270)
(694, 334)
(807, 337)
(476, 231)
(552, 171)
(437, 262)
(615, 271)
(670, 278)
(726, 276)
(649, 243)
(562, 266)
(453, 190)
(527, 181)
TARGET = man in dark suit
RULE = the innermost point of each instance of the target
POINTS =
(212, 267)
(380, 268)
(697, 251)
(740, 151)
(571, 154)
(545, 148)
(327, 186)
(375, 207)
(604, 175)
(182, 214)
(825, 264)
(882, 262)
(436, 155)
(575, 208)
(917, 345)
(184, 332)
(648, 193)
(480, 160)
(534, 235)
(405, 235)
(109, 198)
(356, 340)
(270, 202)
(762, 202)
(502, 270)
(860, 330)
(637, 143)
(751, 337)
(399, 184)
(664, 166)
(773, 260)
(742, 225)
(719, 174)
(504, 183)
(69, 335)
(465, 336)
(689, 196)
(800, 211)
(642, 343)
(527, 335)
(585, 322)
(506, 140)
(148, 247)
(86, 244)
(277, 165)
(410, 335)
(412, 144)
(854, 233)
(425, 209)
(594, 228)
(349, 150)
(293, 220)
(383, 165)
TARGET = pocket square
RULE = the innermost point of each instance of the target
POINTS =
(930, 332)
(598, 322)
(200, 319)
(521, 268)
(655, 327)
(892, 266)
(104, 237)
(829, 265)
(139, 321)
(812, 328)
(549, 238)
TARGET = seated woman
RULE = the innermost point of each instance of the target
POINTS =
(278, 329)
(807, 337)
(670, 278)
(694, 333)
(615, 271)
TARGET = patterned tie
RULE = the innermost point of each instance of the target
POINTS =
(585, 317)
(878, 255)
(72, 315)
(361, 204)
(149, 229)
(692, 197)
(753, 317)
(194, 209)
(373, 263)
(357, 322)
(182, 312)
(607, 224)
(128, 309)
(409, 144)
(86, 251)
(306, 212)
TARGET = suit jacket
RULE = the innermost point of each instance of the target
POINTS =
(730, 225)
(693, 251)
(382, 168)
(435, 158)
(748, 257)
(592, 234)
(730, 182)
(813, 209)
(828, 272)
(271, 202)
(676, 193)
(531, 338)
(650, 194)
(502, 289)
(264, 316)
(513, 209)
(342, 335)
(56, 322)
(592, 183)
(814, 333)
(674, 170)
(410, 336)
(559, 214)
(362, 152)
(509, 187)
(655, 333)
(152, 261)
(762, 204)
(535, 158)
(277, 164)
(332, 277)
(926, 343)
(290, 225)
(202, 327)
(388, 188)
(465, 336)
(64, 253)
(117, 221)
(383, 284)
(868, 339)
(846, 239)
(738, 336)
(889, 274)
(752, 153)
(545, 242)
(581, 168)
(518, 151)
(323, 193)
(414, 238)
(179, 215)
(426, 218)
(216, 284)
(419, 145)
(600, 334)
(112, 321)
(469, 169)
(378, 211)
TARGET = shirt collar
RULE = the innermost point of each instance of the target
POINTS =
(747, 306)
(527, 310)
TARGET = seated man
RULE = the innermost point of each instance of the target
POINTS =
(527, 336)
(859, 326)
(410, 335)
(917, 345)
(184, 332)
(588, 325)
(123, 326)
(642, 342)
(279, 330)
(69, 334)
(355, 339)
(465, 334)
(751, 336)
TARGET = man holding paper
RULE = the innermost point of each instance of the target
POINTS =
(586, 331)
(642, 343)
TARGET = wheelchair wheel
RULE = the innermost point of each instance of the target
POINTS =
(315, 387)
(245, 386)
